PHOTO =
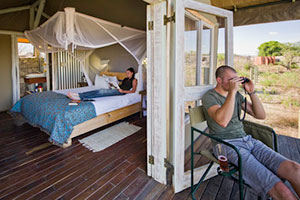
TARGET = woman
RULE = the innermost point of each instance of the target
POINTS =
(128, 86)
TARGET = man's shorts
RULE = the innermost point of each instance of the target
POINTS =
(260, 163)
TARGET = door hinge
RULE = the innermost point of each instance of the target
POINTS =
(151, 160)
(169, 171)
(150, 25)
(169, 19)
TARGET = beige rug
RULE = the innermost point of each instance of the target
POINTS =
(107, 137)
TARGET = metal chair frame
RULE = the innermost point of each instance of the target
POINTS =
(233, 169)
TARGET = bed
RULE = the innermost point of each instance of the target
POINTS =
(75, 120)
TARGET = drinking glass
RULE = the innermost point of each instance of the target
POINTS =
(222, 157)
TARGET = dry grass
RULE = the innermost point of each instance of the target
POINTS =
(279, 90)
(286, 122)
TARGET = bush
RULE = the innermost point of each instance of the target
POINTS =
(247, 66)
(271, 48)
(221, 56)
(290, 51)
(294, 66)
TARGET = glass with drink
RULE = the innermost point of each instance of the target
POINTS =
(222, 157)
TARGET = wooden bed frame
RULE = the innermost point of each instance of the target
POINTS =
(106, 118)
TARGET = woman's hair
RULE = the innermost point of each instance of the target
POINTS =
(131, 70)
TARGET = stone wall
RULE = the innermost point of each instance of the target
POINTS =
(28, 66)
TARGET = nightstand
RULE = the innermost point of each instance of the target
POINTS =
(82, 84)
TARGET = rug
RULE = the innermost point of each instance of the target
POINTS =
(107, 137)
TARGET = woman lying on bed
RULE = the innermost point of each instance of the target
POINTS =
(128, 86)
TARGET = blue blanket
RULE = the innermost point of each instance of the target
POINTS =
(50, 111)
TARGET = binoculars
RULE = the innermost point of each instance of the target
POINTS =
(245, 80)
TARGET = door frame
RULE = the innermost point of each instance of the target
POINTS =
(157, 91)
(180, 94)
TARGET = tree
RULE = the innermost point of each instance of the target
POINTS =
(290, 51)
(271, 48)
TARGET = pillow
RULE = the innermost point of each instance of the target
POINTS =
(136, 76)
(101, 82)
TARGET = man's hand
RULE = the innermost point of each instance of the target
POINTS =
(234, 84)
(120, 90)
(255, 107)
(249, 87)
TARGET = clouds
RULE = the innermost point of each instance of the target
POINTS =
(273, 33)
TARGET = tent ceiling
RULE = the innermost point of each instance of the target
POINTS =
(231, 4)
(132, 13)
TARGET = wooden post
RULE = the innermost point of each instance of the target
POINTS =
(39, 13)
(15, 9)
(255, 75)
(251, 73)
(31, 18)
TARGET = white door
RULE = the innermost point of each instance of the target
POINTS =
(156, 91)
(204, 19)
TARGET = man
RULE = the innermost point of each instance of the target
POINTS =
(262, 166)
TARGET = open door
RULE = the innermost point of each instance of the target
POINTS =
(195, 20)
(156, 92)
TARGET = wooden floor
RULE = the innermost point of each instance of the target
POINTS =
(118, 172)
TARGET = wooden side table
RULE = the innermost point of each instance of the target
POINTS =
(35, 80)
(143, 94)
(82, 84)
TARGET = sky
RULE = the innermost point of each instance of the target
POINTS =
(246, 39)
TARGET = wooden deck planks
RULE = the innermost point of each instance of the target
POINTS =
(225, 189)
(212, 188)
(67, 165)
(118, 172)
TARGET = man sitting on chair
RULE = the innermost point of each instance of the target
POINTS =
(262, 166)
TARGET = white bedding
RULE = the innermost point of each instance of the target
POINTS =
(106, 104)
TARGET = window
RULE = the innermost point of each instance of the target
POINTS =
(25, 49)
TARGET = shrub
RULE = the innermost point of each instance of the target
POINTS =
(271, 48)
(247, 66)
(294, 66)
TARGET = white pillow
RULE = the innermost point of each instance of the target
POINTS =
(101, 82)
(136, 76)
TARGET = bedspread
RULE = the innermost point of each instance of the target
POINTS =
(50, 112)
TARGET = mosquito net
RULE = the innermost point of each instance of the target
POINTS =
(70, 30)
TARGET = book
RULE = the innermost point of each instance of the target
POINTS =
(73, 104)
(113, 84)
(75, 101)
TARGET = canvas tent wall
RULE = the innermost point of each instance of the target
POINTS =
(69, 30)
(15, 14)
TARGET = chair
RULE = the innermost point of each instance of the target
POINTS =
(263, 133)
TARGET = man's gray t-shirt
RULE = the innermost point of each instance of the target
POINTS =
(234, 128)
